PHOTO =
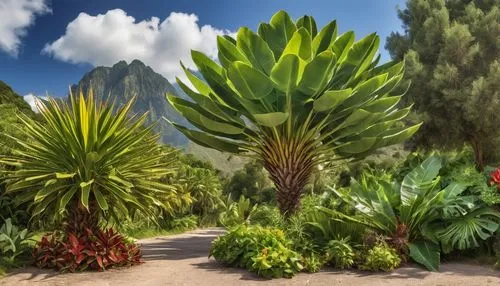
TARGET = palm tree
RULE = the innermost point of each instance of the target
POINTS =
(293, 98)
(87, 160)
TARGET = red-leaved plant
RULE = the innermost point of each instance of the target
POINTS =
(97, 250)
(495, 178)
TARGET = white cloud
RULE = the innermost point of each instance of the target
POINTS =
(15, 17)
(31, 100)
(103, 40)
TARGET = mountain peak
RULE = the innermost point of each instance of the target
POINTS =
(137, 62)
(123, 81)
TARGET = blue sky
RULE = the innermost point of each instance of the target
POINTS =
(33, 62)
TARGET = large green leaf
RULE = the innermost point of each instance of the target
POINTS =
(464, 232)
(285, 73)
(425, 253)
(229, 50)
(331, 99)
(278, 32)
(325, 38)
(420, 179)
(256, 50)
(249, 82)
(209, 141)
(357, 146)
(271, 119)
(299, 45)
(342, 45)
(317, 74)
(308, 23)
(202, 119)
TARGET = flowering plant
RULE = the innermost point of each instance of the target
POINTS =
(495, 178)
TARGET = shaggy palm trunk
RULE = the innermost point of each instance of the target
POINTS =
(290, 165)
(80, 219)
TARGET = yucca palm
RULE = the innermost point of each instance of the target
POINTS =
(293, 97)
(88, 156)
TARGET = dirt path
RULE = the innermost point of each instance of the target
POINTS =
(182, 260)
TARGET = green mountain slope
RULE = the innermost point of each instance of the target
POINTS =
(8, 96)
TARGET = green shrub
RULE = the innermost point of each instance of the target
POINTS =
(339, 253)
(14, 243)
(312, 262)
(266, 215)
(381, 257)
(236, 212)
(265, 251)
(184, 223)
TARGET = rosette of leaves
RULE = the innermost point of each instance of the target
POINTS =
(293, 96)
(88, 156)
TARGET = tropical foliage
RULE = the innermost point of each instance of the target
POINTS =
(314, 112)
(339, 253)
(293, 97)
(85, 156)
(416, 214)
(265, 251)
(381, 257)
(14, 242)
(99, 250)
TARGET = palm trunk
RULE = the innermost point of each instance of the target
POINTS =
(290, 165)
(79, 218)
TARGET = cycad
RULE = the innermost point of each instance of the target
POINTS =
(293, 97)
(90, 157)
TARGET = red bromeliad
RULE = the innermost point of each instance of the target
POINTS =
(495, 178)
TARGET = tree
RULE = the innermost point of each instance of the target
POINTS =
(86, 162)
(452, 53)
(251, 182)
(293, 98)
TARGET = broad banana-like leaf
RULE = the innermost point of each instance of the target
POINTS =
(331, 99)
(426, 253)
(420, 179)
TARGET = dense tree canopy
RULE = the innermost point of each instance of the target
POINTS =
(452, 53)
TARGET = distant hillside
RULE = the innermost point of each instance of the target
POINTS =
(123, 81)
(227, 163)
(11, 105)
(8, 96)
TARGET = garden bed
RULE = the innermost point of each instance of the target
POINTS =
(182, 260)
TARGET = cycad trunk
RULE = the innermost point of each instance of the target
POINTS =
(290, 164)
(79, 218)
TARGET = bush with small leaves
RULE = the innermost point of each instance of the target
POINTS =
(381, 257)
(265, 251)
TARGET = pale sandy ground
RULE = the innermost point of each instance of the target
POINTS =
(182, 260)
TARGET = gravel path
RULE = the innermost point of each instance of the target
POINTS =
(182, 260)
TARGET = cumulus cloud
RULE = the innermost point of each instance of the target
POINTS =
(30, 98)
(103, 40)
(15, 17)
